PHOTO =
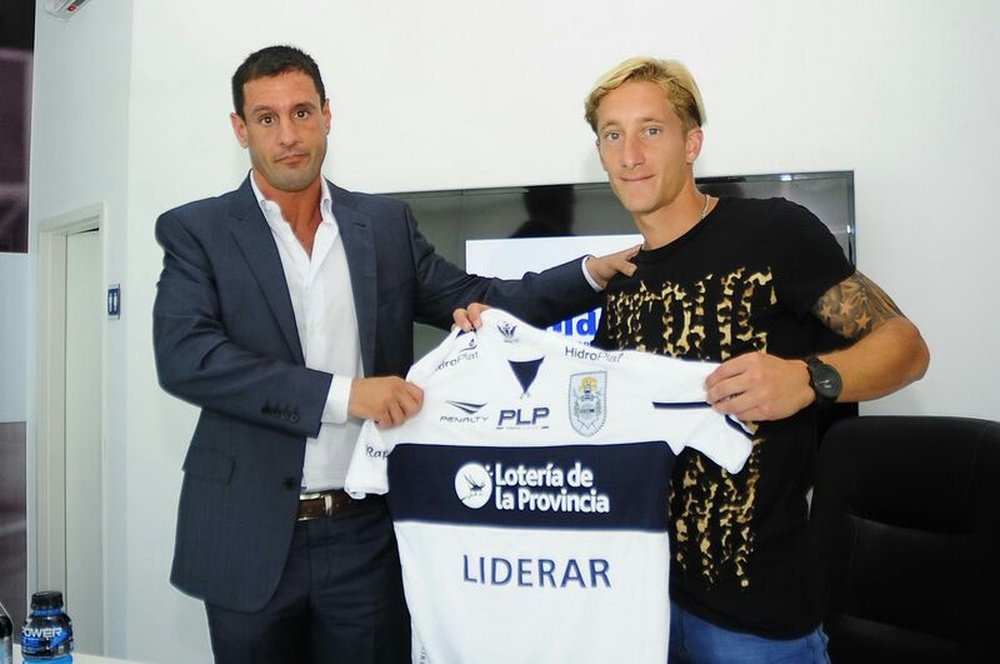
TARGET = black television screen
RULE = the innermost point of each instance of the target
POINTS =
(452, 219)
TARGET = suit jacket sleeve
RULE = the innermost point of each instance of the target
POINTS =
(540, 298)
(211, 362)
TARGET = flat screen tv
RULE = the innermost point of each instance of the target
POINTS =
(456, 221)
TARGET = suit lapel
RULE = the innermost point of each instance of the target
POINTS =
(358, 236)
(255, 240)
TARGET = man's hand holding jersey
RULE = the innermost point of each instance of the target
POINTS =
(389, 400)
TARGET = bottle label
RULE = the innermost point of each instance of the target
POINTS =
(45, 640)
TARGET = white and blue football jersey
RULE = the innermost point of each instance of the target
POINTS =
(529, 494)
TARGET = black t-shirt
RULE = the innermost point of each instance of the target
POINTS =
(743, 279)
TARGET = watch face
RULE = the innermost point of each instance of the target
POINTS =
(828, 385)
(825, 379)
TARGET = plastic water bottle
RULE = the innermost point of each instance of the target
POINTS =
(47, 634)
(6, 637)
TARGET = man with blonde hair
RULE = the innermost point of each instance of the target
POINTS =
(762, 287)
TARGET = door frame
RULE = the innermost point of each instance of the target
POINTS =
(47, 484)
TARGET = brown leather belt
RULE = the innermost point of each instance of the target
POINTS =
(323, 503)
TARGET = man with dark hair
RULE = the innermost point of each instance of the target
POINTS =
(284, 311)
(272, 61)
(763, 288)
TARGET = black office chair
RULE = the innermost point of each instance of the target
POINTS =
(906, 511)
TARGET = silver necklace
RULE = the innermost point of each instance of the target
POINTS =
(704, 213)
(704, 209)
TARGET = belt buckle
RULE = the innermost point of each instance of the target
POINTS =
(311, 496)
(329, 506)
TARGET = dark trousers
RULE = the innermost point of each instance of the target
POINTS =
(340, 599)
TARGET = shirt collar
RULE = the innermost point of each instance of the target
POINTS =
(272, 212)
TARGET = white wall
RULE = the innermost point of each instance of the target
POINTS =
(79, 157)
(454, 94)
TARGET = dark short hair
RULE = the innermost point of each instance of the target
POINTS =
(272, 61)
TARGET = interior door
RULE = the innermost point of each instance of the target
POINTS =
(84, 453)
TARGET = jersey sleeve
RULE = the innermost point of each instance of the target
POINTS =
(668, 396)
(368, 471)
(731, 449)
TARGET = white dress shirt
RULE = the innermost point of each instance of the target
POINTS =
(323, 302)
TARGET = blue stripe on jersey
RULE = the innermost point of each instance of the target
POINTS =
(680, 405)
(573, 486)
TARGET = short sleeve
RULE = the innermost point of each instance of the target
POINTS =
(808, 258)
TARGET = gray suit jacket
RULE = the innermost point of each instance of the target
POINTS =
(225, 340)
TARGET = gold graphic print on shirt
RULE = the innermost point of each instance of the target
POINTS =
(711, 319)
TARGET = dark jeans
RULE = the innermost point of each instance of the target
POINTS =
(340, 599)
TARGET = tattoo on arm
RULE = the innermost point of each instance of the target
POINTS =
(855, 307)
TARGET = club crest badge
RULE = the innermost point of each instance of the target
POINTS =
(508, 331)
(588, 402)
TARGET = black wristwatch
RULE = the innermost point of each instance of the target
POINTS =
(825, 381)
